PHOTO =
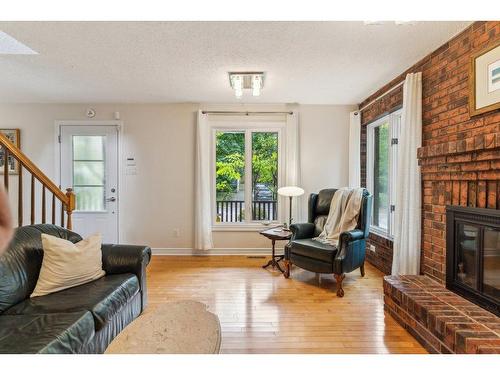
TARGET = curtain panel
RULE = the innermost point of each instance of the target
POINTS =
(355, 149)
(292, 164)
(407, 231)
(203, 216)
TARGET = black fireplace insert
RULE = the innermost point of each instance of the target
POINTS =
(473, 255)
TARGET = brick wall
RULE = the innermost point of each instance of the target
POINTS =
(382, 257)
(460, 155)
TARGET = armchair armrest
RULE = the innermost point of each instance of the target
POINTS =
(303, 230)
(352, 235)
(351, 253)
(127, 259)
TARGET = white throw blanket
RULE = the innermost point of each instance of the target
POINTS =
(343, 215)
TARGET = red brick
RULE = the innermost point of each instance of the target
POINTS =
(439, 319)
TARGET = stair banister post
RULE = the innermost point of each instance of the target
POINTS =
(70, 206)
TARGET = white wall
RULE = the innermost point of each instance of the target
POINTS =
(159, 199)
(324, 148)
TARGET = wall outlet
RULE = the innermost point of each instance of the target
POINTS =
(372, 248)
(177, 232)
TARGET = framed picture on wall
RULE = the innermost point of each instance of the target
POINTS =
(485, 80)
(14, 136)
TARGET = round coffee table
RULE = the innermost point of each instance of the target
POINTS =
(184, 327)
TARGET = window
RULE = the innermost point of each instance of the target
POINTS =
(382, 136)
(246, 175)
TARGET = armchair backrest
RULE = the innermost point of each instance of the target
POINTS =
(319, 207)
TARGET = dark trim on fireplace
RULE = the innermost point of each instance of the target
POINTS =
(477, 216)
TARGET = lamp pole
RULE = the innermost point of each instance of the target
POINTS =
(290, 216)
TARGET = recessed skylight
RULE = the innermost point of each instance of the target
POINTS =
(11, 46)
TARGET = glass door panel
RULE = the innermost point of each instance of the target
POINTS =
(89, 178)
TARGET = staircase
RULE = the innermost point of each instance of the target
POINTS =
(62, 204)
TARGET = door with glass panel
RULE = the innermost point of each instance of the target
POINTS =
(89, 164)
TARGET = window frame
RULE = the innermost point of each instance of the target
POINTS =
(248, 127)
(393, 119)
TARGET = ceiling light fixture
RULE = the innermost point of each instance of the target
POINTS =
(380, 23)
(237, 84)
(405, 23)
(256, 85)
(240, 81)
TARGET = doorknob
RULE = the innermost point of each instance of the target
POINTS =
(112, 199)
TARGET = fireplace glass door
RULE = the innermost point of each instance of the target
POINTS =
(473, 254)
(476, 269)
(468, 244)
(491, 261)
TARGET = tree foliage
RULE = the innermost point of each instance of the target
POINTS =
(265, 160)
(381, 169)
(230, 161)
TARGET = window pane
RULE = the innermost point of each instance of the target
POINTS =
(381, 176)
(491, 276)
(230, 176)
(88, 173)
(88, 147)
(264, 175)
(89, 198)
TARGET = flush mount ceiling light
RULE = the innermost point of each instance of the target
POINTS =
(380, 23)
(11, 46)
(240, 81)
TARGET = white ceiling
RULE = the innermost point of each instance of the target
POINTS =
(305, 62)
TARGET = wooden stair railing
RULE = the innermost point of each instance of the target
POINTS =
(66, 199)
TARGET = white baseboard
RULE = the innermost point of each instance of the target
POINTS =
(221, 251)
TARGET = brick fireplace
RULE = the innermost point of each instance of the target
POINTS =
(460, 166)
(460, 154)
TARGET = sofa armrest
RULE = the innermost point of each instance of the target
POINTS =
(127, 259)
(303, 230)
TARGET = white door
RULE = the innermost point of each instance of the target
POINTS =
(89, 164)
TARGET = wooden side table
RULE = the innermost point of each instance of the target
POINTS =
(276, 234)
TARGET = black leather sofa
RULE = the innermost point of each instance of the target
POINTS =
(83, 319)
(315, 256)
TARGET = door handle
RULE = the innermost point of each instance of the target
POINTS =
(112, 199)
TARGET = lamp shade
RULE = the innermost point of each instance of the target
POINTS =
(290, 191)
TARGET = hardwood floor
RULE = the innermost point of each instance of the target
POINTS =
(262, 312)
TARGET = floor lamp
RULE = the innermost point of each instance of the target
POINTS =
(290, 192)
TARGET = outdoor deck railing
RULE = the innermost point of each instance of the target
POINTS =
(233, 211)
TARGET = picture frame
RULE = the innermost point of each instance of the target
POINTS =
(14, 135)
(484, 80)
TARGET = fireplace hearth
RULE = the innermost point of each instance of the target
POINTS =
(473, 255)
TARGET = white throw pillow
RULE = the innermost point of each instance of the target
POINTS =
(66, 264)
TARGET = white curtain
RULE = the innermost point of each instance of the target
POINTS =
(354, 149)
(292, 162)
(203, 216)
(406, 258)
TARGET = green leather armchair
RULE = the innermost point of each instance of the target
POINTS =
(315, 256)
